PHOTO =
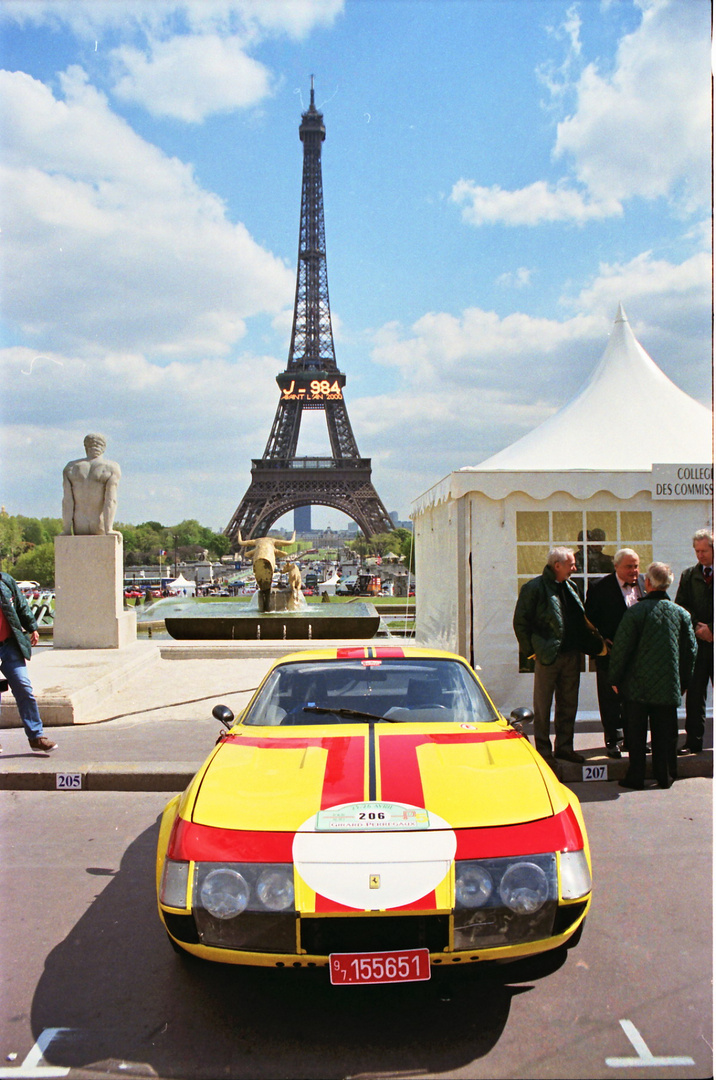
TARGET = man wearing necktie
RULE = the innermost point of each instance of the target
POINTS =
(607, 601)
(696, 594)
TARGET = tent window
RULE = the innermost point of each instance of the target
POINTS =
(594, 536)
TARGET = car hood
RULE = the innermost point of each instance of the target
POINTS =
(276, 779)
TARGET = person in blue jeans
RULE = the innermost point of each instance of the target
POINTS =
(18, 634)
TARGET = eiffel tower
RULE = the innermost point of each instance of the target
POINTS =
(280, 481)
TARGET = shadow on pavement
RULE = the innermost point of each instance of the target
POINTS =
(131, 1004)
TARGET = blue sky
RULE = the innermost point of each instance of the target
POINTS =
(498, 175)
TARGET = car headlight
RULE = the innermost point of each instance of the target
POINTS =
(473, 885)
(224, 893)
(524, 888)
(175, 878)
(274, 888)
(575, 878)
(226, 890)
(504, 901)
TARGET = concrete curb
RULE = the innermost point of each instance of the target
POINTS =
(117, 776)
(43, 774)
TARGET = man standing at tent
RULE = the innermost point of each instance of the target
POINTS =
(552, 629)
(696, 594)
(607, 601)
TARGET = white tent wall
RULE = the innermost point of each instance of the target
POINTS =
(467, 559)
(440, 567)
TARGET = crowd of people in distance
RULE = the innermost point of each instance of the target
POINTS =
(649, 651)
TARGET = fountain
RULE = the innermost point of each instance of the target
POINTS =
(272, 614)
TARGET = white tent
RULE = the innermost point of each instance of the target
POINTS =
(181, 586)
(628, 416)
(626, 463)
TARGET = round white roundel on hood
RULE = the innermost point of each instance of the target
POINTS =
(370, 869)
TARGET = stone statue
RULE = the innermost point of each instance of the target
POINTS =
(89, 492)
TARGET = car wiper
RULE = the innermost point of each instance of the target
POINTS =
(352, 714)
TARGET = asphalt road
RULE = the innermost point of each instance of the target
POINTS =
(82, 951)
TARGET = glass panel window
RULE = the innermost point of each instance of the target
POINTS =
(603, 521)
(637, 525)
(532, 526)
(566, 527)
(594, 535)
(531, 558)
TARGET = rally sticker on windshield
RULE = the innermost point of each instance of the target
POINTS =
(372, 815)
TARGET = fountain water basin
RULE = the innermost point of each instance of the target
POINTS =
(228, 621)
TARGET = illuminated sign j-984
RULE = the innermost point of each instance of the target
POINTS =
(314, 386)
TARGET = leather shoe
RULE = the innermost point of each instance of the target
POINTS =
(570, 755)
(625, 783)
(688, 750)
(613, 750)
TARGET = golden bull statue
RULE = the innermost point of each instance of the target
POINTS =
(263, 552)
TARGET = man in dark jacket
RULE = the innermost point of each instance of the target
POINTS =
(18, 634)
(696, 594)
(651, 663)
(551, 628)
(607, 601)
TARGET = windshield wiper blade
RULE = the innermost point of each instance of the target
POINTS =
(352, 714)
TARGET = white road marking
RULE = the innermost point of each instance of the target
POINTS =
(645, 1057)
(30, 1069)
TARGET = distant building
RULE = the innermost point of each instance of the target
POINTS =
(302, 519)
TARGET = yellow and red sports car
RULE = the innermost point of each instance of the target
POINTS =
(372, 812)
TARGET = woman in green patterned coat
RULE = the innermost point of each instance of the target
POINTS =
(651, 663)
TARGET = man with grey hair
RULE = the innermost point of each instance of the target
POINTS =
(607, 601)
(696, 594)
(553, 631)
(651, 663)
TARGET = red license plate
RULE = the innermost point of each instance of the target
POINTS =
(404, 965)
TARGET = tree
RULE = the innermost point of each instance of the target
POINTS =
(37, 565)
(11, 542)
(33, 531)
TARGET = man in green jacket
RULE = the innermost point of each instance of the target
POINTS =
(18, 634)
(650, 665)
(552, 629)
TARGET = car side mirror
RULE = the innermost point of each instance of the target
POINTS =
(223, 714)
(520, 716)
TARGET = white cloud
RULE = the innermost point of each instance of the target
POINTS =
(185, 60)
(532, 205)
(516, 279)
(642, 129)
(191, 77)
(164, 18)
(165, 424)
(112, 244)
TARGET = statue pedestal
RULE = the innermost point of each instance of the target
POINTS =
(89, 584)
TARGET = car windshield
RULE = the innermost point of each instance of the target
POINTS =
(400, 690)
